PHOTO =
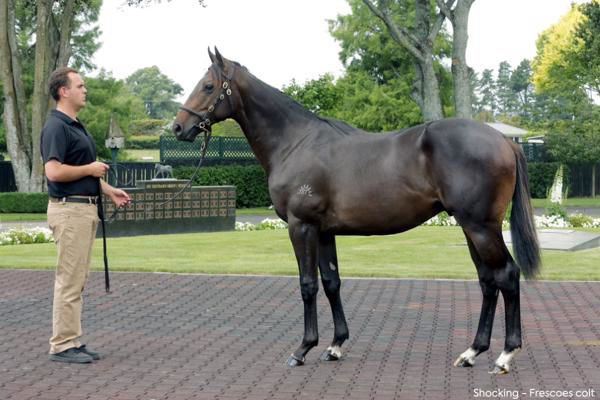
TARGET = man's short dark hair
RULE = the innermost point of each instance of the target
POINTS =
(58, 79)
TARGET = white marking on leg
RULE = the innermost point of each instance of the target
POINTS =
(503, 362)
(468, 356)
(335, 351)
(332, 266)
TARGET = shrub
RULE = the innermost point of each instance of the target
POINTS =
(250, 181)
(555, 209)
(143, 142)
(15, 202)
(147, 126)
(541, 176)
(580, 220)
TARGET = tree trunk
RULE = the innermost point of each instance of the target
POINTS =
(459, 17)
(39, 106)
(18, 141)
(460, 69)
(432, 103)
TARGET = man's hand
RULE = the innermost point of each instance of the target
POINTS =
(98, 169)
(119, 197)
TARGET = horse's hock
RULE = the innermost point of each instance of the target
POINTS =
(173, 206)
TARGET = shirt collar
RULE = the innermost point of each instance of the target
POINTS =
(64, 117)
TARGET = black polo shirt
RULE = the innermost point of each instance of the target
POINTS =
(67, 141)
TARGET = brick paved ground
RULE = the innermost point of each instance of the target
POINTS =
(214, 337)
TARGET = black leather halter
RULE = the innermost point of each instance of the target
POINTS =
(207, 118)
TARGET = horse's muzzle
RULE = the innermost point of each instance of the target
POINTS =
(180, 134)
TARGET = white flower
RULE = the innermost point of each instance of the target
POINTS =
(268, 223)
(26, 236)
(551, 221)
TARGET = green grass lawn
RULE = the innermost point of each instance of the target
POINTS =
(574, 202)
(138, 155)
(424, 252)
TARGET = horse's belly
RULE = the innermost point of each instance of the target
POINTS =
(376, 220)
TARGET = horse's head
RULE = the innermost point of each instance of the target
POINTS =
(210, 101)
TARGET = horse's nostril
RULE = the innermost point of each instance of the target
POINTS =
(177, 128)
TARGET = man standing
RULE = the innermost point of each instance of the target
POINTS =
(69, 155)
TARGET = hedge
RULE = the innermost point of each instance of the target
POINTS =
(15, 202)
(250, 182)
(142, 142)
(541, 176)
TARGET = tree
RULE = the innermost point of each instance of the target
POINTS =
(58, 27)
(109, 97)
(487, 90)
(368, 48)
(157, 91)
(588, 55)
(360, 100)
(504, 92)
(376, 107)
(554, 69)
(318, 95)
(522, 87)
(419, 39)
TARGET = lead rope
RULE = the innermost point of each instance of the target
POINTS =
(101, 216)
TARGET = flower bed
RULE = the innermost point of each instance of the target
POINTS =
(26, 236)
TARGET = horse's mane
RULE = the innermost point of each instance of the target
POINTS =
(293, 105)
(341, 126)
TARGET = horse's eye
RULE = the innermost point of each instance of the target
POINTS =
(208, 87)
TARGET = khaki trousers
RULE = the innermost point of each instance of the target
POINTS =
(74, 228)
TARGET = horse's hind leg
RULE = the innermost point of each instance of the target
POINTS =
(330, 277)
(488, 310)
(497, 271)
(305, 240)
(508, 281)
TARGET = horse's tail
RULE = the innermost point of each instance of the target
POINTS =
(522, 225)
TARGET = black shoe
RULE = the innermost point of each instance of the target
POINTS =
(71, 355)
(84, 350)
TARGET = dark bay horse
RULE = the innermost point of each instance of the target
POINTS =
(327, 178)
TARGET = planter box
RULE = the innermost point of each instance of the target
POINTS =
(156, 208)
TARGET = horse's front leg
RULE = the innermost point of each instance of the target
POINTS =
(305, 240)
(330, 277)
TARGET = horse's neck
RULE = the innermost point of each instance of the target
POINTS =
(270, 121)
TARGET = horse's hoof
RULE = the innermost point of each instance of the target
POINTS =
(463, 363)
(466, 359)
(294, 361)
(333, 353)
(499, 370)
(502, 364)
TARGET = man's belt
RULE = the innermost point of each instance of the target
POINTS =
(75, 199)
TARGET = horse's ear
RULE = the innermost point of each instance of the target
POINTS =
(219, 57)
(211, 55)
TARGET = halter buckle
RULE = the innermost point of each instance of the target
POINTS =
(225, 85)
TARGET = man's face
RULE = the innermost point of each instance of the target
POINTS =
(76, 92)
